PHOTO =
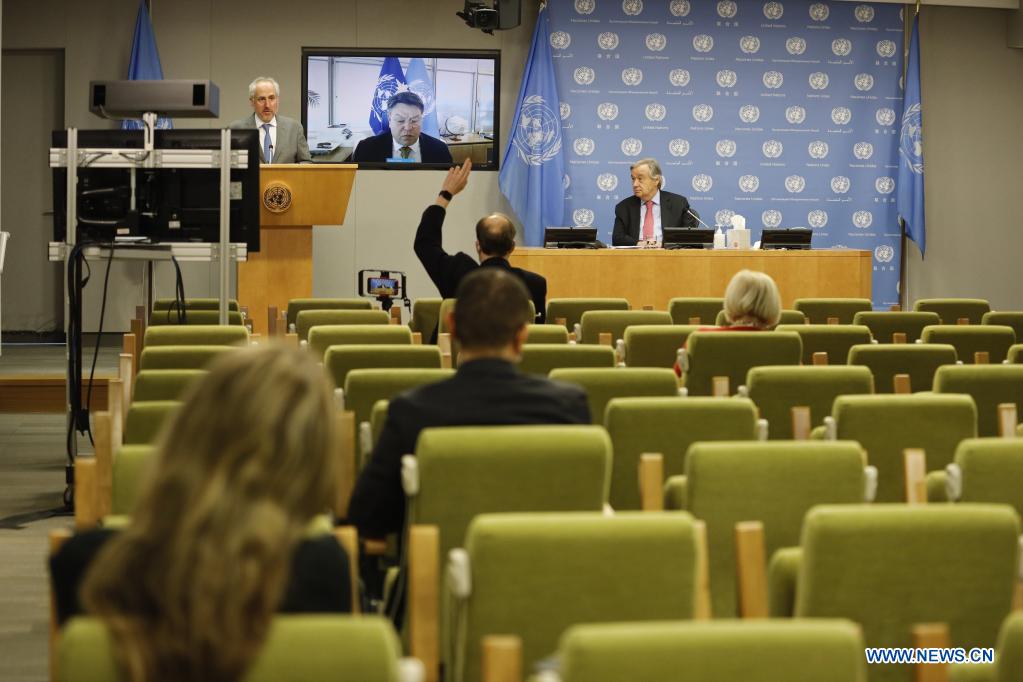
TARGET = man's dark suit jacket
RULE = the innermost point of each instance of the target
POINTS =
(487, 391)
(447, 271)
(381, 147)
(627, 224)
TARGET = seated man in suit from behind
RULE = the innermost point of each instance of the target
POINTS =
(405, 139)
(489, 321)
(639, 218)
(495, 241)
(281, 139)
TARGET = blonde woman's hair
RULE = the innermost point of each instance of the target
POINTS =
(189, 588)
(752, 300)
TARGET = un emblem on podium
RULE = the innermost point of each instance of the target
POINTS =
(277, 197)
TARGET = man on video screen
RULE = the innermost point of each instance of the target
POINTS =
(405, 139)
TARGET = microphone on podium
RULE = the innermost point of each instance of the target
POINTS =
(693, 213)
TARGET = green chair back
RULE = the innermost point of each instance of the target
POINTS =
(129, 470)
(541, 358)
(298, 647)
(833, 339)
(990, 386)
(340, 360)
(951, 310)
(991, 470)
(297, 305)
(546, 333)
(363, 387)
(601, 385)
(377, 418)
(572, 309)
(1006, 319)
(786, 317)
(775, 483)
(816, 650)
(180, 357)
(170, 317)
(919, 360)
(631, 566)
(885, 425)
(194, 304)
(425, 314)
(324, 336)
(655, 345)
(144, 421)
(969, 339)
(446, 306)
(884, 324)
(596, 322)
(1009, 663)
(1015, 354)
(710, 354)
(684, 308)
(890, 567)
(164, 384)
(776, 390)
(818, 310)
(196, 335)
(307, 319)
(668, 426)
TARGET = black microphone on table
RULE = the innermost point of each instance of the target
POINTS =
(690, 212)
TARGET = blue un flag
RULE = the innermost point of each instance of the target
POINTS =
(910, 200)
(144, 64)
(534, 167)
(390, 81)
(419, 82)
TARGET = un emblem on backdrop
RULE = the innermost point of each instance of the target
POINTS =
(817, 218)
(749, 44)
(585, 6)
(607, 111)
(702, 182)
(884, 253)
(773, 79)
(795, 46)
(655, 42)
(819, 80)
(841, 115)
(565, 110)
(819, 11)
(725, 148)
(560, 40)
(632, 7)
(607, 182)
(631, 146)
(680, 8)
(566, 181)
(703, 43)
(863, 219)
(632, 76)
(679, 78)
(771, 218)
(795, 184)
(749, 183)
(584, 75)
(864, 14)
(886, 48)
(607, 40)
(885, 116)
(795, 114)
(841, 47)
(656, 112)
(840, 184)
(583, 217)
(537, 136)
(727, 78)
(727, 9)
(863, 82)
(818, 149)
(678, 147)
(884, 185)
(863, 150)
(773, 10)
(724, 217)
(703, 112)
(749, 113)
(772, 149)
(584, 146)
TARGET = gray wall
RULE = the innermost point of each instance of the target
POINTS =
(971, 90)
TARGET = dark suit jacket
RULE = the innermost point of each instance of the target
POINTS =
(381, 147)
(447, 271)
(487, 391)
(627, 225)
(291, 144)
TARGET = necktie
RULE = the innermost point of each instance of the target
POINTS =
(267, 146)
(405, 152)
(648, 221)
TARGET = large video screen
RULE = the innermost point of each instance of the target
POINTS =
(444, 107)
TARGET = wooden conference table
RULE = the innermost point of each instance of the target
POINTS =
(654, 276)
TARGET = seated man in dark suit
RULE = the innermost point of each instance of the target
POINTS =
(639, 219)
(489, 322)
(405, 139)
(495, 240)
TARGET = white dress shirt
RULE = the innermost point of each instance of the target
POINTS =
(416, 155)
(262, 135)
(657, 217)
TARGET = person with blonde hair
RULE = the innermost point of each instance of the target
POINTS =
(752, 301)
(219, 540)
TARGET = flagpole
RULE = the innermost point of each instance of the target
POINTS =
(904, 299)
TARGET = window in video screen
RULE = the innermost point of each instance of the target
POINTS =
(345, 103)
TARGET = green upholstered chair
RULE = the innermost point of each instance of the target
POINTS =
(601, 385)
(951, 310)
(363, 387)
(731, 354)
(369, 433)
(968, 339)
(885, 425)
(776, 390)
(987, 470)
(1008, 665)
(340, 360)
(129, 469)
(162, 318)
(180, 357)
(541, 358)
(324, 336)
(307, 319)
(685, 308)
(1012, 319)
(164, 384)
(668, 426)
(1015, 354)
(818, 310)
(446, 306)
(990, 386)
(779, 651)
(833, 339)
(654, 345)
(884, 324)
(144, 420)
(425, 314)
(193, 304)
(919, 360)
(572, 309)
(315, 648)
(297, 305)
(546, 333)
(786, 317)
(596, 322)
(534, 575)
(196, 335)
(891, 566)
(775, 483)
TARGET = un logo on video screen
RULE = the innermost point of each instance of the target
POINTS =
(537, 136)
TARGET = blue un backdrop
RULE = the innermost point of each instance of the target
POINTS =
(784, 112)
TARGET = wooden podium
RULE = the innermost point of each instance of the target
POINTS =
(293, 197)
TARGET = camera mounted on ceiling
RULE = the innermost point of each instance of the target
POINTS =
(491, 15)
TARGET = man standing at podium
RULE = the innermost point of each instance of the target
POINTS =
(281, 139)
(640, 218)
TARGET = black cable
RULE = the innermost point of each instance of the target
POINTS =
(179, 294)
(99, 338)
